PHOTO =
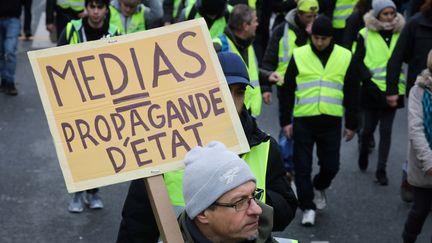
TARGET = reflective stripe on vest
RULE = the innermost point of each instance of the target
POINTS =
(137, 21)
(218, 25)
(377, 55)
(75, 31)
(342, 11)
(320, 89)
(253, 98)
(256, 158)
(286, 46)
(76, 5)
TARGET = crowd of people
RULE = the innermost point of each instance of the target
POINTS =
(337, 70)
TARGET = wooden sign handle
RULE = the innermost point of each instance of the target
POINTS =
(163, 210)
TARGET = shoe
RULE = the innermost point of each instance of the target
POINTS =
(406, 192)
(320, 199)
(363, 161)
(381, 177)
(76, 205)
(11, 90)
(308, 217)
(93, 201)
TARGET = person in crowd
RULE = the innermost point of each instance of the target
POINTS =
(61, 12)
(287, 36)
(138, 223)
(27, 4)
(320, 86)
(238, 37)
(420, 152)
(132, 16)
(10, 27)
(94, 26)
(375, 45)
(411, 50)
(339, 11)
(215, 12)
(222, 199)
(355, 23)
(281, 8)
(172, 10)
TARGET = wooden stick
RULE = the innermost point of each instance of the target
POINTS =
(163, 210)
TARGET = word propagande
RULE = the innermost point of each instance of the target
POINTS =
(167, 123)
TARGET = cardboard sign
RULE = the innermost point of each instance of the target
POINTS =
(131, 106)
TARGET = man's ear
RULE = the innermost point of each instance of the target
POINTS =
(203, 217)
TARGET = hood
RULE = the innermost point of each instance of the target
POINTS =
(424, 80)
(372, 23)
(116, 5)
(290, 18)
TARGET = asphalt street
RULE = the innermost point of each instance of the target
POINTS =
(33, 196)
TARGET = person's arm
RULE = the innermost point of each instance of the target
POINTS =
(416, 131)
(286, 94)
(271, 59)
(49, 15)
(358, 58)
(401, 53)
(168, 8)
(153, 14)
(138, 223)
(351, 97)
(279, 194)
(351, 30)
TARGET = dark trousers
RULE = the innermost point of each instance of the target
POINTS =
(371, 118)
(327, 140)
(418, 213)
(27, 16)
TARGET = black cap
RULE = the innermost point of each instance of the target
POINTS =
(322, 26)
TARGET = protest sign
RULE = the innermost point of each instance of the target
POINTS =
(131, 106)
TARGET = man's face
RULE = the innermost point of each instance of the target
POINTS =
(250, 28)
(128, 7)
(227, 223)
(307, 18)
(96, 14)
(238, 93)
(321, 42)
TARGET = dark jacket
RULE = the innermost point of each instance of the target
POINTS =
(52, 9)
(191, 233)
(354, 24)
(413, 46)
(271, 59)
(10, 9)
(371, 97)
(286, 95)
(138, 224)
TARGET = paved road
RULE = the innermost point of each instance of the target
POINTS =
(33, 197)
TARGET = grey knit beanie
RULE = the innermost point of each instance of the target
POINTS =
(210, 172)
(379, 5)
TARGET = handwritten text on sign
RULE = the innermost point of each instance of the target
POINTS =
(123, 107)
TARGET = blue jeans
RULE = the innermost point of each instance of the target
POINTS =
(9, 31)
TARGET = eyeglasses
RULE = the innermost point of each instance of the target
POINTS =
(243, 203)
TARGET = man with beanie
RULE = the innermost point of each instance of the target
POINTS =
(264, 160)
(319, 87)
(222, 199)
(287, 36)
(215, 13)
(238, 37)
(9, 31)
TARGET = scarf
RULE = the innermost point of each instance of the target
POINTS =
(427, 115)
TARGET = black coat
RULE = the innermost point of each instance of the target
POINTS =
(139, 225)
(412, 47)
(10, 9)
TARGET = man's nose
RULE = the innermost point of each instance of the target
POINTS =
(254, 208)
